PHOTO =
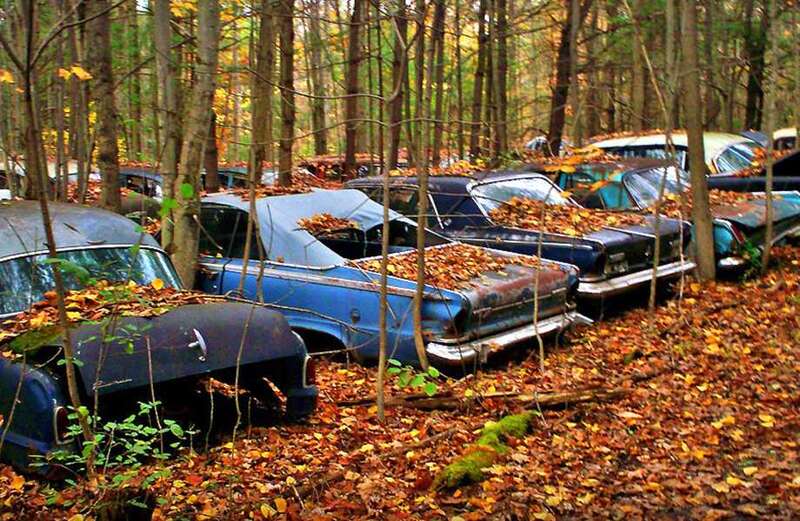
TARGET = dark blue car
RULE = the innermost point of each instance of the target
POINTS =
(333, 301)
(611, 261)
(173, 352)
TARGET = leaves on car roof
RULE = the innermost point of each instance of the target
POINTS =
(325, 222)
(680, 206)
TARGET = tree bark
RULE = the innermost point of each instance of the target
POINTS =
(168, 111)
(437, 43)
(755, 44)
(134, 83)
(399, 70)
(701, 214)
(261, 92)
(102, 94)
(211, 157)
(501, 33)
(477, 86)
(459, 83)
(771, 95)
(352, 89)
(197, 120)
(317, 81)
(286, 24)
(637, 75)
(561, 89)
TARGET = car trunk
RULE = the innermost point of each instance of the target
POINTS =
(499, 301)
(186, 341)
(636, 244)
(750, 217)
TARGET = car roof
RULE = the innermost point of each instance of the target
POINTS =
(785, 132)
(713, 142)
(278, 218)
(74, 226)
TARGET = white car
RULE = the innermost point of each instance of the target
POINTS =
(724, 153)
(784, 139)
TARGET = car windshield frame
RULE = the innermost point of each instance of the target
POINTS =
(487, 203)
(25, 267)
(671, 187)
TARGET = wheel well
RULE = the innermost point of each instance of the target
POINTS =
(318, 341)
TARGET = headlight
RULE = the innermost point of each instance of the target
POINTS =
(616, 264)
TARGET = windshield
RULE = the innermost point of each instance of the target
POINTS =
(493, 194)
(736, 157)
(24, 280)
(645, 186)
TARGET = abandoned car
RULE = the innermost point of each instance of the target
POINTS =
(324, 278)
(174, 347)
(613, 259)
(724, 153)
(739, 219)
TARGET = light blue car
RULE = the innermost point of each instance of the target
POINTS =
(334, 304)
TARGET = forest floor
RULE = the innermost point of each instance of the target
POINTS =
(704, 423)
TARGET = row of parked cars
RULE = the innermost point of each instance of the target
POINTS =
(318, 286)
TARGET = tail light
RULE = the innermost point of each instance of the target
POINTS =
(60, 424)
(738, 235)
(309, 371)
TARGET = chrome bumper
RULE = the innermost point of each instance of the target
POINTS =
(617, 285)
(454, 353)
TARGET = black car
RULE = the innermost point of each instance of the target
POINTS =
(173, 350)
(612, 260)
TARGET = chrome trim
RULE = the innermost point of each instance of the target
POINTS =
(731, 262)
(56, 437)
(620, 284)
(455, 353)
(631, 232)
(544, 243)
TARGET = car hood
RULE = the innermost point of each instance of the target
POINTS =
(752, 215)
(186, 341)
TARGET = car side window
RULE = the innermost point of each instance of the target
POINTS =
(404, 201)
(615, 196)
(224, 233)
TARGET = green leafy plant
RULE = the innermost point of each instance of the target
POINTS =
(752, 254)
(408, 376)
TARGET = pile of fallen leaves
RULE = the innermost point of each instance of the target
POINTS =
(566, 219)
(325, 222)
(102, 300)
(680, 206)
(452, 266)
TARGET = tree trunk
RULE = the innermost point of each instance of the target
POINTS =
(558, 101)
(754, 48)
(399, 70)
(168, 111)
(459, 83)
(134, 83)
(477, 86)
(638, 78)
(211, 157)
(351, 102)
(197, 122)
(102, 93)
(261, 93)
(438, 72)
(771, 95)
(501, 33)
(317, 82)
(286, 24)
(701, 214)
(418, 136)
